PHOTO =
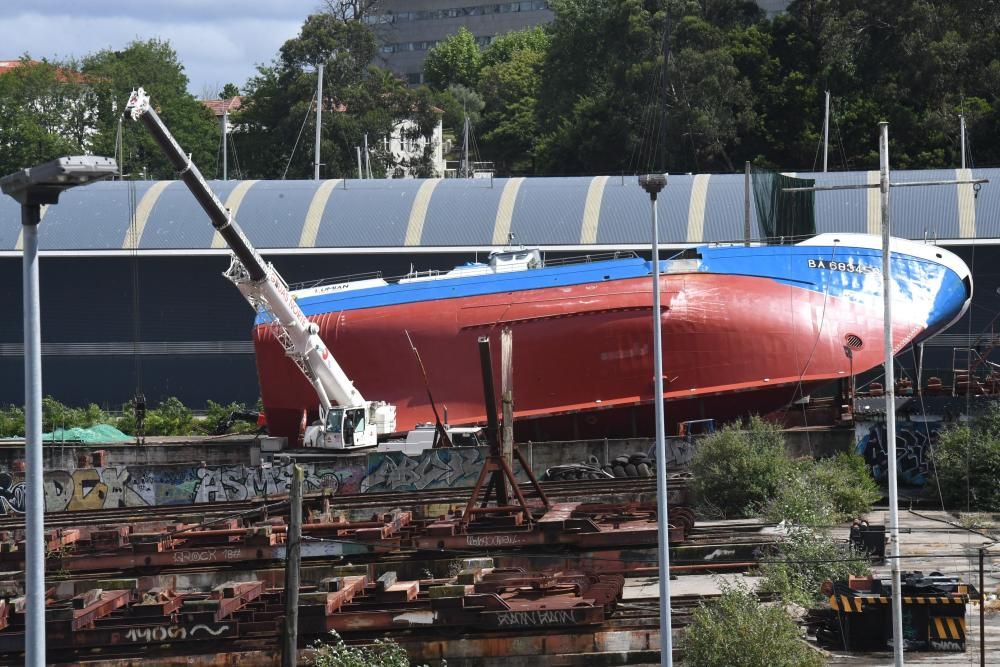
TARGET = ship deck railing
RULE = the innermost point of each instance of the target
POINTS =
(354, 277)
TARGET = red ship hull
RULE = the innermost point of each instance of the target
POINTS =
(732, 345)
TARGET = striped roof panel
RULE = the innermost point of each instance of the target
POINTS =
(582, 211)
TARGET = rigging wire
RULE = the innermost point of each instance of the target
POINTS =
(305, 118)
(236, 157)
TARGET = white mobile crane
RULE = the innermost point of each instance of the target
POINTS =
(346, 419)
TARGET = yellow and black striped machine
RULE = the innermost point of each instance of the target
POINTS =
(860, 614)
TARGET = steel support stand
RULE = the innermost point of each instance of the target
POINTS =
(652, 184)
(293, 546)
(890, 400)
(35, 498)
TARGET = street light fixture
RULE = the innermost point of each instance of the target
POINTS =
(653, 184)
(33, 188)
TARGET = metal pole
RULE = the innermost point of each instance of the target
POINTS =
(652, 184)
(507, 399)
(982, 609)
(225, 144)
(961, 124)
(368, 160)
(35, 499)
(293, 546)
(826, 131)
(319, 118)
(746, 203)
(360, 173)
(890, 402)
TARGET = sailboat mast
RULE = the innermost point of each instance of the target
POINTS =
(961, 126)
(826, 131)
(319, 118)
(465, 148)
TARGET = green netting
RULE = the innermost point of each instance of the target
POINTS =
(98, 434)
(788, 216)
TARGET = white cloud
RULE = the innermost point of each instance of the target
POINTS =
(217, 42)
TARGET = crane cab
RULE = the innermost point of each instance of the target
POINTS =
(343, 428)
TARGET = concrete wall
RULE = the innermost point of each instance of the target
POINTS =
(133, 476)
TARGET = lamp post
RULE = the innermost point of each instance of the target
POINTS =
(33, 188)
(652, 184)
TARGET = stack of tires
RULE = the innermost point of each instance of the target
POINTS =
(631, 465)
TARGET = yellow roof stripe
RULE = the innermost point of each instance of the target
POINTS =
(696, 208)
(233, 202)
(418, 212)
(315, 213)
(505, 210)
(142, 211)
(592, 209)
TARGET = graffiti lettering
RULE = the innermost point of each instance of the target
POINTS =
(162, 633)
(946, 645)
(536, 617)
(913, 443)
(195, 556)
(492, 540)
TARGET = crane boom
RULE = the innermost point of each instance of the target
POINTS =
(267, 292)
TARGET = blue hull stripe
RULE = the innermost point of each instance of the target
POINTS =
(838, 271)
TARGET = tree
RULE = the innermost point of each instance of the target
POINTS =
(229, 91)
(45, 112)
(509, 82)
(153, 65)
(966, 460)
(359, 99)
(455, 60)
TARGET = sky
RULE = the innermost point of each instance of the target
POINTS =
(217, 41)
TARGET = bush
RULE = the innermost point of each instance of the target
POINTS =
(12, 422)
(171, 417)
(737, 471)
(382, 653)
(824, 492)
(737, 630)
(216, 413)
(845, 478)
(966, 460)
(807, 558)
(801, 500)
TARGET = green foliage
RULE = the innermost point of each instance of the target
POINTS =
(824, 492)
(510, 81)
(737, 471)
(217, 413)
(45, 108)
(804, 560)
(11, 421)
(738, 631)
(457, 59)
(381, 653)
(359, 99)
(153, 65)
(56, 415)
(966, 460)
(846, 480)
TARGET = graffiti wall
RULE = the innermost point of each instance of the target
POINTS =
(913, 444)
(148, 485)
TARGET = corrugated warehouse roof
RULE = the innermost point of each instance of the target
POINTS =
(304, 216)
